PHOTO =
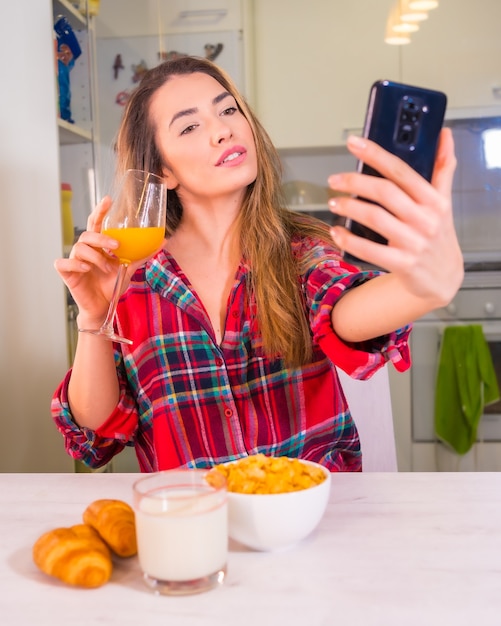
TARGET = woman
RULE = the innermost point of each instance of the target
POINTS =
(239, 319)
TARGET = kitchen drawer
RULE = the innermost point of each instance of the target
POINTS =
(463, 307)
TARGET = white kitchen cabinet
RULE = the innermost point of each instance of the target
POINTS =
(33, 339)
(457, 51)
(314, 65)
(315, 62)
(435, 457)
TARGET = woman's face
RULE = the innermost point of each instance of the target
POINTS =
(206, 144)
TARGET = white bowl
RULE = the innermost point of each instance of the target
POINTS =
(275, 521)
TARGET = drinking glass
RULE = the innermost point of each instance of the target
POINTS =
(182, 530)
(137, 220)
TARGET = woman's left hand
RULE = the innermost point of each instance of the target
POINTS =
(423, 252)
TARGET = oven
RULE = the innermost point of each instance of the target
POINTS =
(477, 302)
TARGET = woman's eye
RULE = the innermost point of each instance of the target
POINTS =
(188, 129)
(230, 111)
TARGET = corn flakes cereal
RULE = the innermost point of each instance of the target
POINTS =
(259, 474)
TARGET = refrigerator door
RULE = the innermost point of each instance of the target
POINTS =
(121, 61)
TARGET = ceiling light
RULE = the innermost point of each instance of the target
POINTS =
(397, 39)
(393, 36)
(423, 5)
(405, 27)
(408, 14)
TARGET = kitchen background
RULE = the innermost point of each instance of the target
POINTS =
(306, 68)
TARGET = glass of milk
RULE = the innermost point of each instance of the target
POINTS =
(182, 530)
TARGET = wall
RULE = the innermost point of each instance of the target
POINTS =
(33, 352)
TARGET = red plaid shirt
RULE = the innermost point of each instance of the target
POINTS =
(187, 401)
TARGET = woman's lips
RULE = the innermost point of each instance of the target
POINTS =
(233, 156)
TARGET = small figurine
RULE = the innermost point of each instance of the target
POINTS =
(138, 71)
(170, 55)
(117, 65)
(213, 51)
(68, 50)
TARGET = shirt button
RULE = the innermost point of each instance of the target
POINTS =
(219, 361)
(228, 412)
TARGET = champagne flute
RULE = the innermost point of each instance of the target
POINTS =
(137, 220)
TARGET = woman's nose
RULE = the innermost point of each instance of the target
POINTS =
(220, 132)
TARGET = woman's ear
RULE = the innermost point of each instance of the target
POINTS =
(171, 181)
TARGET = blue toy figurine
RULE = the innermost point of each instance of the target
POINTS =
(68, 50)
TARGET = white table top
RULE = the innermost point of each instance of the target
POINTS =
(392, 549)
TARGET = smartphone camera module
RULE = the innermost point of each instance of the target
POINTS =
(408, 122)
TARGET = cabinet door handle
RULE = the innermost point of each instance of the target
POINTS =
(203, 13)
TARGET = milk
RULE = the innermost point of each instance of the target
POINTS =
(180, 537)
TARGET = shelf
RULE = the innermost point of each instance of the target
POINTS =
(72, 134)
(75, 18)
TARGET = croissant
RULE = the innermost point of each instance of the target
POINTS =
(115, 522)
(75, 555)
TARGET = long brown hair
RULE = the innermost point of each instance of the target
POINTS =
(266, 226)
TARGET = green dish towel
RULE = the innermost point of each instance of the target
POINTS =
(466, 382)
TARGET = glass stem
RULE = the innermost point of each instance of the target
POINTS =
(107, 327)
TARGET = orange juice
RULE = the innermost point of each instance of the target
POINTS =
(136, 243)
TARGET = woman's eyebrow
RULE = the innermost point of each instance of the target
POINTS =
(221, 96)
(193, 110)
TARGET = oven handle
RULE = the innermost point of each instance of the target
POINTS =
(491, 328)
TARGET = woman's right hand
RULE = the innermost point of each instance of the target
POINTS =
(90, 271)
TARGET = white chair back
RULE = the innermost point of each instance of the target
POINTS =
(370, 405)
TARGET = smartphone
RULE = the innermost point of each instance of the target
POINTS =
(406, 121)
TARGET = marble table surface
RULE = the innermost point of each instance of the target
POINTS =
(392, 549)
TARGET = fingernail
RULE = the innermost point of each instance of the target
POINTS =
(356, 142)
(334, 180)
(332, 203)
(334, 234)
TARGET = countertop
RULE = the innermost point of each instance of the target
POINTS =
(392, 549)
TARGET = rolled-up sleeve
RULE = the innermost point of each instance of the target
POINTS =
(327, 280)
(97, 447)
